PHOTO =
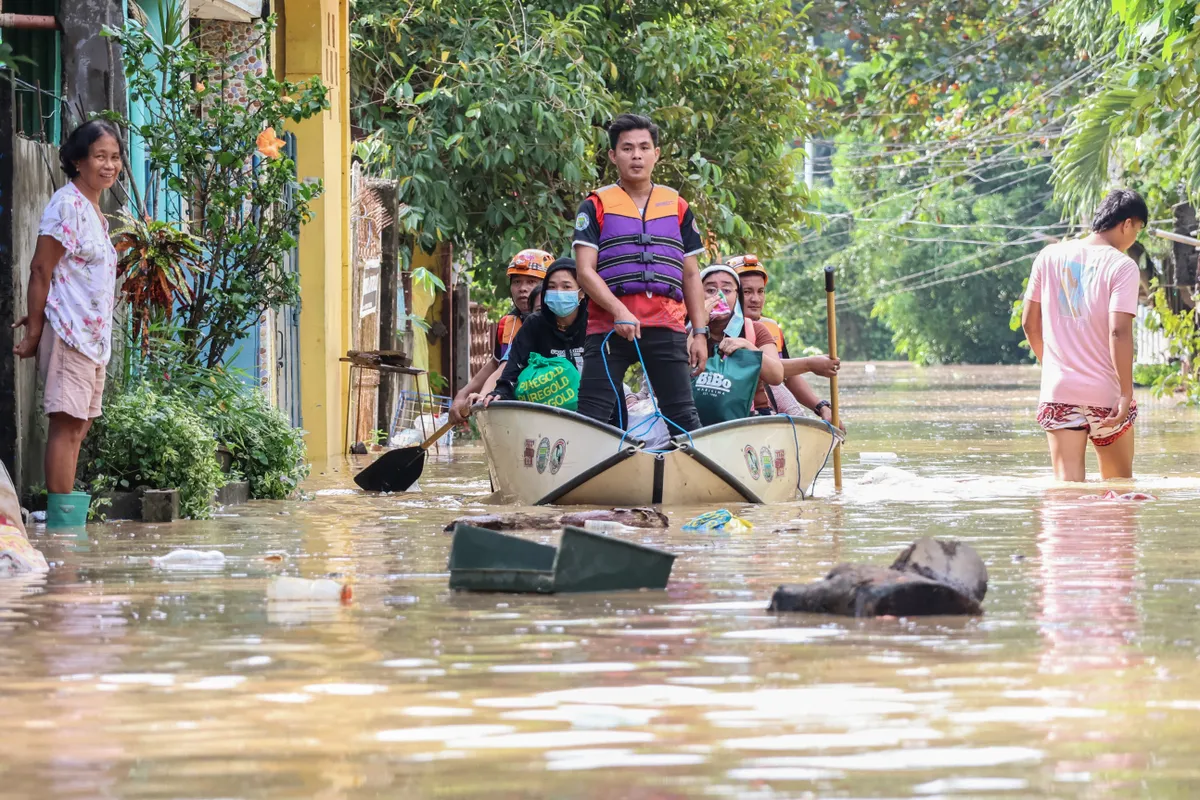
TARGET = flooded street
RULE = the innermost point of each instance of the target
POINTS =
(122, 679)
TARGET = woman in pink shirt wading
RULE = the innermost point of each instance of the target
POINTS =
(1078, 318)
(72, 288)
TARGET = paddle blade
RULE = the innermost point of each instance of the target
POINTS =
(394, 471)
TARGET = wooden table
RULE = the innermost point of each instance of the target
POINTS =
(381, 368)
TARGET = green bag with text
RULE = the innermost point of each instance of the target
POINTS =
(550, 381)
(724, 391)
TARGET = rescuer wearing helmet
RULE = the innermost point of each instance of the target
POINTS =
(754, 289)
(525, 273)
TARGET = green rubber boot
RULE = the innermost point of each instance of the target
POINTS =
(67, 510)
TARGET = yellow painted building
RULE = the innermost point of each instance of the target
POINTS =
(313, 38)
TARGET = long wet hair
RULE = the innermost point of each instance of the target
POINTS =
(79, 144)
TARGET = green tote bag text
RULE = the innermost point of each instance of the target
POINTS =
(724, 391)
(549, 381)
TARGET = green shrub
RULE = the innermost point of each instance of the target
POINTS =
(157, 441)
(1183, 345)
(1150, 374)
(267, 451)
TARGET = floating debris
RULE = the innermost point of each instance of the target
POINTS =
(190, 558)
(631, 517)
(303, 589)
(483, 560)
(931, 577)
(719, 520)
(1113, 496)
(17, 555)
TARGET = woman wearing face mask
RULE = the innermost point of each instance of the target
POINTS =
(557, 329)
(730, 330)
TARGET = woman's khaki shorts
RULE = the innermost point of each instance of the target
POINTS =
(74, 383)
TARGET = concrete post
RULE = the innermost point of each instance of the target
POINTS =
(461, 336)
(446, 273)
(389, 287)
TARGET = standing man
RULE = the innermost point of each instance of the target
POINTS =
(525, 273)
(636, 245)
(1078, 318)
(796, 390)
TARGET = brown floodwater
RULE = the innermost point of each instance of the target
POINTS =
(123, 679)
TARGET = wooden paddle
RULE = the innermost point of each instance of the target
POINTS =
(831, 314)
(396, 470)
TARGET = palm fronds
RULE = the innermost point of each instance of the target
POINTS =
(155, 259)
(1081, 166)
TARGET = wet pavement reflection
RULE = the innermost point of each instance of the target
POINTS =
(126, 679)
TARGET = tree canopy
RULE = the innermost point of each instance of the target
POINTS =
(953, 138)
(490, 115)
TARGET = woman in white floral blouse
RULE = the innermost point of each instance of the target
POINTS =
(72, 289)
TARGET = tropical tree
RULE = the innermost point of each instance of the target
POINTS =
(936, 178)
(491, 117)
(1140, 120)
(222, 154)
(485, 114)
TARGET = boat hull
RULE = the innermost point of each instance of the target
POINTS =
(539, 455)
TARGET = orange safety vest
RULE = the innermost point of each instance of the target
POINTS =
(506, 331)
(775, 330)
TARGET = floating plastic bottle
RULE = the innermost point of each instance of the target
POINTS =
(606, 526)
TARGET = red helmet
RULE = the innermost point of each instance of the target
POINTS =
(530, 262)
(747, 264)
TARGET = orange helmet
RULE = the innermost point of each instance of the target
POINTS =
(530, 262)
(748, 263)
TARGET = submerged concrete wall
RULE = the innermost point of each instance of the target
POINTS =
(24, 192)
(38, 177)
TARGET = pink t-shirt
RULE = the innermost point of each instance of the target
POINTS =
(1078, 286)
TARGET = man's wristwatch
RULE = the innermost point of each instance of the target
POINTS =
(701, 331)
(822, 404)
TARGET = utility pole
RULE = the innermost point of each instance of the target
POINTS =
(810, 156)
(1185, 259)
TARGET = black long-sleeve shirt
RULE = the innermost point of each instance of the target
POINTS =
(540, 334)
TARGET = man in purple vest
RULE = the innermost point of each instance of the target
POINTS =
(635, 248)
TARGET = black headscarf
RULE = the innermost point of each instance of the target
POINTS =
(550, 317)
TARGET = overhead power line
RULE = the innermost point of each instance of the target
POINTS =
(951, 225)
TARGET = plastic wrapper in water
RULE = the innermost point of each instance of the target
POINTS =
(719, 520)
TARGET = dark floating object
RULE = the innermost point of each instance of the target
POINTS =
(633, 517)
(931, 577)
(482, 560)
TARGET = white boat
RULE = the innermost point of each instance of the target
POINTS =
(539, 455)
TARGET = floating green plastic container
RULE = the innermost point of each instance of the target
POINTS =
(67, 510)
(487, 561)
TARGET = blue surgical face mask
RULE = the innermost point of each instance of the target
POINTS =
(562, 304)
(736, 322)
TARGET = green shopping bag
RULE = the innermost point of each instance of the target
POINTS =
(724, 391)
(549, 381)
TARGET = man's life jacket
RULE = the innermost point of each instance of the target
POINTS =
(641, 253)
(776, 332)
(506, 331)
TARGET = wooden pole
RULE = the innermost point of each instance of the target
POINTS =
(831, 313)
